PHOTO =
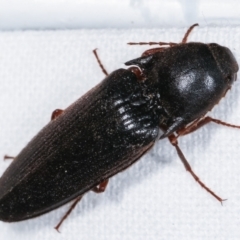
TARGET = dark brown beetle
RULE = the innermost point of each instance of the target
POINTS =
(114, 124)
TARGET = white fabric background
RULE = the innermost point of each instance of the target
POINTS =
(154, 199)
(72, 14)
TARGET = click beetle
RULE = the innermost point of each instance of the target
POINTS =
(166, 93)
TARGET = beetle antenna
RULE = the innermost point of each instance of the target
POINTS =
(153, 43)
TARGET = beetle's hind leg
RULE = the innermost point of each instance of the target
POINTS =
(174, 142)
(68, 212)
(97, 189)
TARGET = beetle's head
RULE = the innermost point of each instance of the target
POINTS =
(226, 62)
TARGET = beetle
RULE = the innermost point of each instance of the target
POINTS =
(165, 93)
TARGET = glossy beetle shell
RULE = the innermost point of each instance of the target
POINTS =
(113, 125)
(99, 135)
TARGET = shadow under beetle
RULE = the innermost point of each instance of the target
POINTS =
(166, 93)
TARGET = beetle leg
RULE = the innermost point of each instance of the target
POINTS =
(56, 113)
(98, 189)
(100, 63)
(173, 139)
(101, 187)
(188, 32)
(68, 212)
(167, 44)
(6, 157)
(198, 124)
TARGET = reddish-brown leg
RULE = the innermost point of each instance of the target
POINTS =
(99, 62)
(168, 44)
(68, 212)
(6, 157)
(101, 187)
(98, 189)
(198, 124)
(56, 113)
(173, 140)
(188, 32)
